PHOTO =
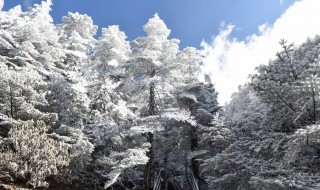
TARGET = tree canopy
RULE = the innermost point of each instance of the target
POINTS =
(85, 112)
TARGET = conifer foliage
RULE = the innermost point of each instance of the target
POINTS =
(83, 113)
(79, 112)
(275, 125)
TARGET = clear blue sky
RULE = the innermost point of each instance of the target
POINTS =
(191, 21)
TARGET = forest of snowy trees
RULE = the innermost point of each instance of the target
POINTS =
(82, 113)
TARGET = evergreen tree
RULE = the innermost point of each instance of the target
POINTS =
(289, 86)
(76, 34)
(32, 155)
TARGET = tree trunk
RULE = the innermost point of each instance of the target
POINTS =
(152, 96)
(148, 171)
(194, 147)
(11, 103)
(152, 100)
(314, 104)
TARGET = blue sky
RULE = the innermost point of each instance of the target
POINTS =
(191, 21)
(230, 60)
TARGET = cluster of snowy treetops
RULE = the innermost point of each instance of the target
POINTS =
(78, 112)
(276, 122)
(83, 113)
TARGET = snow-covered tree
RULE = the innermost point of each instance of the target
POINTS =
(83, 113)
(190, 62)
(32, 155)
(149, 67)
(146, 79)
(77, 26)
(35, 29)
(22, 94)
(68, 100)
(76, 34)
(289, 85)
(111, 50)
(260, 156)
(246, 111)
(30, 39)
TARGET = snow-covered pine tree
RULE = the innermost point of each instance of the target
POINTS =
(288, 85)
(76, 34)
(262, 156)
(31, 155)
(117, 147)
(30, 56)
